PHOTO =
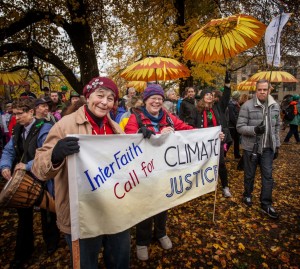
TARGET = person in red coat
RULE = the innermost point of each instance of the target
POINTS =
(151, 119)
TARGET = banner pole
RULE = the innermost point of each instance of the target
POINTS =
(214, 211)
(76, 254)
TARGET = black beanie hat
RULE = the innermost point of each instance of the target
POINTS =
(203, 92)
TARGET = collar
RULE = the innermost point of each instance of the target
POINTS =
(28, 127)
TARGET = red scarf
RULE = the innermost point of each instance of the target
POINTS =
(211, 116)
(96, 130)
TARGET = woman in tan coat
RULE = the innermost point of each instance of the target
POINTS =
(50, 162)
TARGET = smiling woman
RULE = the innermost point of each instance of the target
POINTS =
(152, 119)
(93, 118)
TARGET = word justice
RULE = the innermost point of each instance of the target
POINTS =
(190, 153)
(185, 183)
(121, 159)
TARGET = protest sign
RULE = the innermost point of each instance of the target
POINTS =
(116, 181)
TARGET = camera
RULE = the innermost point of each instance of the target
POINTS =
(253, 156)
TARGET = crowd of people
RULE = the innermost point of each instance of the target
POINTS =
(34, 138)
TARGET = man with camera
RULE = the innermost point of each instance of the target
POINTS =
(259, 128)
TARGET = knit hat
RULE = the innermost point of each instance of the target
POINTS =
(235, 95)
(74, 94)
(153, 89)
(100, 82)
(203, 92)
(41, 101)
(296, 97)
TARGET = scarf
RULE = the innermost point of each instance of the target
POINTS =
(96, 123)
(152, 118)
(208, 118)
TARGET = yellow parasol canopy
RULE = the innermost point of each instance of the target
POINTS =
(274, 76)
(246, 85)
(154, 69)
(138, 85)
(10, 79)
(223, 38)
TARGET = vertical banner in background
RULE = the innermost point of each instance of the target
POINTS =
(116, 181)
(272, 38)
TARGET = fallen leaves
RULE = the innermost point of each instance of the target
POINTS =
(241, 237)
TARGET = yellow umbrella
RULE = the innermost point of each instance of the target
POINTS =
(138, 85)
(154, 69)
(246, 85)
(223, 38)
(274, 76)
(10, 79)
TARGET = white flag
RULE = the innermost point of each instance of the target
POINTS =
(271, 38)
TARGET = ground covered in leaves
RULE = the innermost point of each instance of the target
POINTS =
(240, 237)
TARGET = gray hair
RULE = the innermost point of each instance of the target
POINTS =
(170, 91)
(263, 81)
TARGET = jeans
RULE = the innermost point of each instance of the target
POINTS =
(116, 250)
(144, 229)
(265, 161)
(293, 131)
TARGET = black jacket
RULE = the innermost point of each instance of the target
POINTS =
(187, 111)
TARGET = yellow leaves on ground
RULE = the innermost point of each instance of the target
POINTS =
(241, 247)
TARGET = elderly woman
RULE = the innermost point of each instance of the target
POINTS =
(210, 113)
(153, 119)
(50, 162)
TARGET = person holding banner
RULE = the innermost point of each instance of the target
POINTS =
(210, 113)
(51, 162)
(152, 119)
(260, 141)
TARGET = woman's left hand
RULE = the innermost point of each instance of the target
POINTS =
(166, 130)
(222, 136)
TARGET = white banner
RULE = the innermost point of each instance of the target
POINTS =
(116, 181)
(271, 38)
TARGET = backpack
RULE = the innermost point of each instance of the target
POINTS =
(289, 113)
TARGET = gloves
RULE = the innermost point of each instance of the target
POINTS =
(64, 147)
(227, 77)
(276, 154)
(146, 132)
(260, 129)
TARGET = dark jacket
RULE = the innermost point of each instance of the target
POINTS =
(233, 113)
(219, 109)
(187, 109)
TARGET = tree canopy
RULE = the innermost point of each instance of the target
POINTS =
(84, 38)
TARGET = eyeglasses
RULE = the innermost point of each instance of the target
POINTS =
(156, 99)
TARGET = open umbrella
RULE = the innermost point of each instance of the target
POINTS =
(246, 85)
(10, 79)
(274, 76)
(154, 69)
(138, 85)
(223, 38)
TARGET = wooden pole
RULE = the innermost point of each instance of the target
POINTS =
(76, 254)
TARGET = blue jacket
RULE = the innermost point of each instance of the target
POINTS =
(9, 154)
